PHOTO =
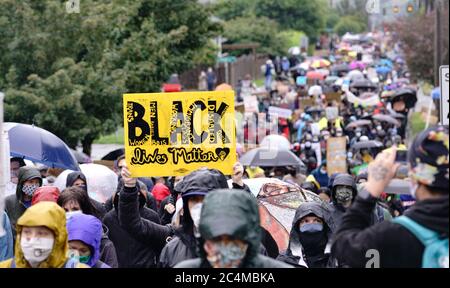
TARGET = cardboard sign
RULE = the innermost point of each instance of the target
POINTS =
(332, 96)
(280, 112)
(337, 155)
(305, 102)
(175, 134)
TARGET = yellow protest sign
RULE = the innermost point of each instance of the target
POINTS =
(177, 133)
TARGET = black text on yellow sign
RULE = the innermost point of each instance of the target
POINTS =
(173, 134)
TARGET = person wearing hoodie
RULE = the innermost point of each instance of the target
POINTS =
(230, 233)
(398, 245)
(45, 193)
(85, 234)
(309, 238)
(343, 194)
(42, 239)
(79, 179)
(6, 241)
(321, 174)
(193, 188)
(29, 179)
(74, 201)
(132, 250)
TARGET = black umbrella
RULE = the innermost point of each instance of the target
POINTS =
(264, 157)
(113, 155)
(364, 84)
(340, 68)
(358, 123)
(367, 145)
(408, 95)
(387, 119)
(81, 157)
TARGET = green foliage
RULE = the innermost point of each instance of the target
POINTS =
(67, 72)
(349, 24)
(260, 30)
(302, 15)
(292, 38)
(230, 9)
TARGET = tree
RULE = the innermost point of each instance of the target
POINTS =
(355, 16)
(260, 30)
(349, 24)
(67, 72)
(417, 37)
(302, 15)
(231, 9)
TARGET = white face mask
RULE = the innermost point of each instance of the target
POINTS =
(36, 250)
(195, 214)
(72, 213)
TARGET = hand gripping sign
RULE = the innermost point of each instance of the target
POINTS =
(177, 133)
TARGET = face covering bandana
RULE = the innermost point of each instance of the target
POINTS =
(195, 214)
(228, 255)
(74, 254)
(36, 250)
(344, 195)
(311, 228)
(29, 189)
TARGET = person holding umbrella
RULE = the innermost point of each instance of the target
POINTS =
(29, 180)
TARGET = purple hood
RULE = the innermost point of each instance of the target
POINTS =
(88, 229)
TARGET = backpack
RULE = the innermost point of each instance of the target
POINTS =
(71, 263)
(436, 249)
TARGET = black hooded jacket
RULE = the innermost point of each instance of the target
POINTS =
(71, 178)
(397, 246)
(14, 205)
(296, 255)
(234, 213)
(132, 251)
(184, 245)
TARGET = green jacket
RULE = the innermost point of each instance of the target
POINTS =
(14, 206)
(234, 213)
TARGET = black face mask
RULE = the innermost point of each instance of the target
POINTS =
(313, 243)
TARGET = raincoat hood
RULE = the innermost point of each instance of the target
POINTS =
(343, 180)
(88, 229)
(234, 213)
(72, 177)
(45, 193)
(160, 191)
(308, 208)
(50, 215)
(26, 173)
(200, 182)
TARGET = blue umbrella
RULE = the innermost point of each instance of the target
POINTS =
(386, 62)
(383, 70)
(39, 145)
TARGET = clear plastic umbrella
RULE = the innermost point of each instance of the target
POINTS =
(276, 142)
(101, 181)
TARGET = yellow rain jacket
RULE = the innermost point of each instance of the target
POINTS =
(50, 215)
